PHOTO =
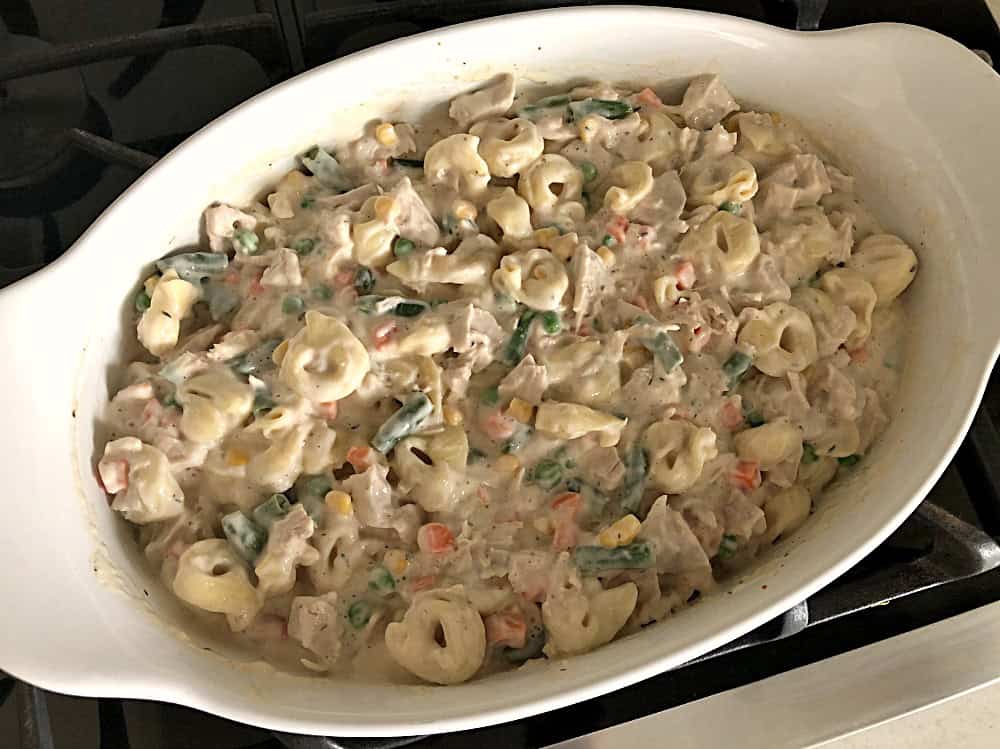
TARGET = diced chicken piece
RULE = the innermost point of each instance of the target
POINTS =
(221, 221)
(529, 573)
(233, 344)
(415, 221)
(678, 552)
(715, 143)
(283, 270)
(473, 331)
(490, 101)
(287, 549)
(591, 281)
(705, 102)
(314, 622)
(602, 467)
(526, 381)
(664, 203)
(139, 477)
(406, 521)
(351, 200)
(372, 496)
(455, 378)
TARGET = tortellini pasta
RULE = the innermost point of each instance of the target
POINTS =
(782, 337)
(511, 214)
(887, 263)
(139, 476)
(441, 638)
(725, 243)
(770, 444)
(214, 403)
(435, 485)
(630, 183)
(170, 302)
(211, 576)
(324, 361)
(832, 322)
(570, 421)
(678, 451)
(454, 162)
(786, 511)
(508, 146)
(717, 181)
(375, 230)
(552, 183)
(849, 288)
(471, 263)
(533, 277)
(577, 623)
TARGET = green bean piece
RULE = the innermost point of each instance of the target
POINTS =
(403, 423)
(593, 560)
(403, 247)
(222, 299)
(849, 460)
(256, 359)
(663, 348)
(246, 241)
(244, 535)
(194, 266)
(316, 486)
(736, 366)
(551, 323)
(292, 305)
(272, 509)
(808, 454)
(359, 613)
(728, 546)
(589, 171)
(262, 402)
(612, 110)
(142, 301)
(754, 419)
(304, 246)
(731, 207)
(325, 168)
(410, 308)
(519, 338)
(323, 292)
(381, 581)
(490, 397)
(634, 483)
(608, 240)
(547, 474)
(534, 641)
(307, 202)
(364, 279)
(544, 106)
(410, 163)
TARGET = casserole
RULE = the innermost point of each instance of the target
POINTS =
(86, 617)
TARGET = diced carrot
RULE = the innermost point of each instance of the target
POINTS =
(360, 457)
(506, 628)
(344, 277)
(496, 424)
(570, 502)
(685, 274)
(858, 355)
(617, 227)
(114, 475)
(422, 583)
(746, 475)
(732, 414)
(565, 508)
(435, 538)
(648, 97)
(383, 333)
(328, 410)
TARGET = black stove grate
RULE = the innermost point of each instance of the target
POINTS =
(949, 541)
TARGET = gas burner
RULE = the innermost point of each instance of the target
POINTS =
(40, 169)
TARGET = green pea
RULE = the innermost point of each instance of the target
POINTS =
(754, 419)
(736, 366)
(608, 240)
(381, 580)
(322, 292)
(304, 246)
(403, 247)
(409, 309)
(730, 207)
(589, 171)
(142, 301)
(246, 241)
(849, 460)
(547, 474)
(490, 397)
(292, 305)
(728, 546)
(359, 613)
(551, 323)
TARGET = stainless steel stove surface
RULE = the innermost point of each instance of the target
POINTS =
(89, 99)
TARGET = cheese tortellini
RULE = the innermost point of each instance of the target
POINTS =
(324, 361)
(467, 392)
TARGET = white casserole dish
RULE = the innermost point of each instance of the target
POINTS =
(909, 112)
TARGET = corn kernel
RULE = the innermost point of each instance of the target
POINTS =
(520, 410)
(235, 457)
(340, 502)
(386, 134)
(385, 208)
(590, 126)
(620, 532)
(542, 525)
(395, 561)
(607, 256)
(464, 210)
(508, 463)
(452, 416)
(279, 352)
(546, 236)
(150, 284)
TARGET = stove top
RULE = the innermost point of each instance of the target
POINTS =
(89, 100)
